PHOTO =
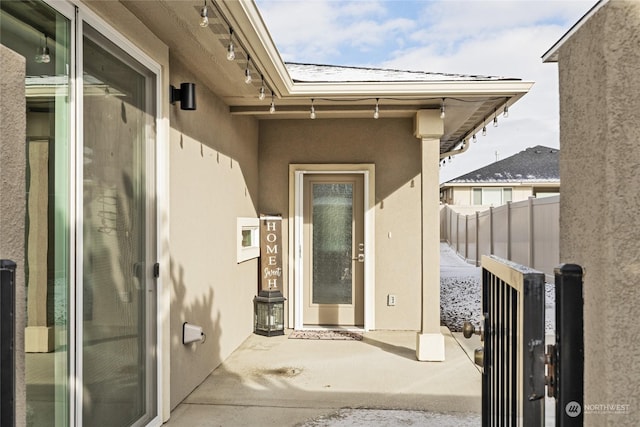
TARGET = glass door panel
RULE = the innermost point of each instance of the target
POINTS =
(332, 243)
(42, 36)
(118, 305)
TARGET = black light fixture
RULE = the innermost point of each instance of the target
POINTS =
(186, 95)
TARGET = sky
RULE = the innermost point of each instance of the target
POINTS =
(505, 38)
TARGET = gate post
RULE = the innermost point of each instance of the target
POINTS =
(7, 343)
(569, 348)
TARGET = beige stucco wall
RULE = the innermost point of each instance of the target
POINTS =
(599, 133)
(12, 197)
(213, 181)
(391, 146)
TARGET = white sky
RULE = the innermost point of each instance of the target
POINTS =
(501, 38)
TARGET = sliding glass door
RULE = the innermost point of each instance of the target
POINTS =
(90, 241)
(118, 303)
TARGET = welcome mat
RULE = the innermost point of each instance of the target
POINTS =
(326, 335)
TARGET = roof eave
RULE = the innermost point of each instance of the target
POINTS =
(551, 55)
(263, 50)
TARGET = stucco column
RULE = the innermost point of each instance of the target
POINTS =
(430, 342)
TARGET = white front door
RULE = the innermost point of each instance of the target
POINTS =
(333, 250)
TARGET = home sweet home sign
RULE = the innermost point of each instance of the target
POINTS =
(271, 253)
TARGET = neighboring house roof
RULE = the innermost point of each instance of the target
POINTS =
(317, 73)
(535, 164)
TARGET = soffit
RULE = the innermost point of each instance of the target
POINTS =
(470, 102)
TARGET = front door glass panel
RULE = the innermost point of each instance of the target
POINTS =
(332, 243)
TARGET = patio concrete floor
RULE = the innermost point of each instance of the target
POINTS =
(277, 381)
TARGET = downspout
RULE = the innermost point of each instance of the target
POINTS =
(464, 148)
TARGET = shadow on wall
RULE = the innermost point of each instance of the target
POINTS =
(214, 127)
(191, 363)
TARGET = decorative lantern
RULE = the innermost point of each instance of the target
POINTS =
(268, 306)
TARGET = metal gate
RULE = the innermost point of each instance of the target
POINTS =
(7, 343)
(513, 357)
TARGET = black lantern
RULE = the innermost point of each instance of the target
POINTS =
(268, 313)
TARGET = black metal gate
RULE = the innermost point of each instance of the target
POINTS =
(7, 342)
(513, 357)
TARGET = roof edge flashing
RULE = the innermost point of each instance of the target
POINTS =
(551, 55)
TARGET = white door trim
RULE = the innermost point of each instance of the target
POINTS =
(296, 175)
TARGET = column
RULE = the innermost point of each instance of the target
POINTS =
(430, 341)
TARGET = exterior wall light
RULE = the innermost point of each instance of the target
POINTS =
(186, 95)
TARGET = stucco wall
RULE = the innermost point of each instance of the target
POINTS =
(600, 169)
(213, 180)
(391, 146)
(12, 196)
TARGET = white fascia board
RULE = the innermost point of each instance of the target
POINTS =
(412, 89)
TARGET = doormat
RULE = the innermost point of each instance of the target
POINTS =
(326, 335)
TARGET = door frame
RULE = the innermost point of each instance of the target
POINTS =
(295, 265)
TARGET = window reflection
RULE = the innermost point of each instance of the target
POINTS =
(42, 36)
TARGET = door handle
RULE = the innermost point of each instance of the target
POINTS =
(360, 258)
(468, 330)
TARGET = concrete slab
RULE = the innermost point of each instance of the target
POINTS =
(281, 381)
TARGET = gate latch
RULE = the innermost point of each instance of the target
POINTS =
(468, 330)
(550, 378)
